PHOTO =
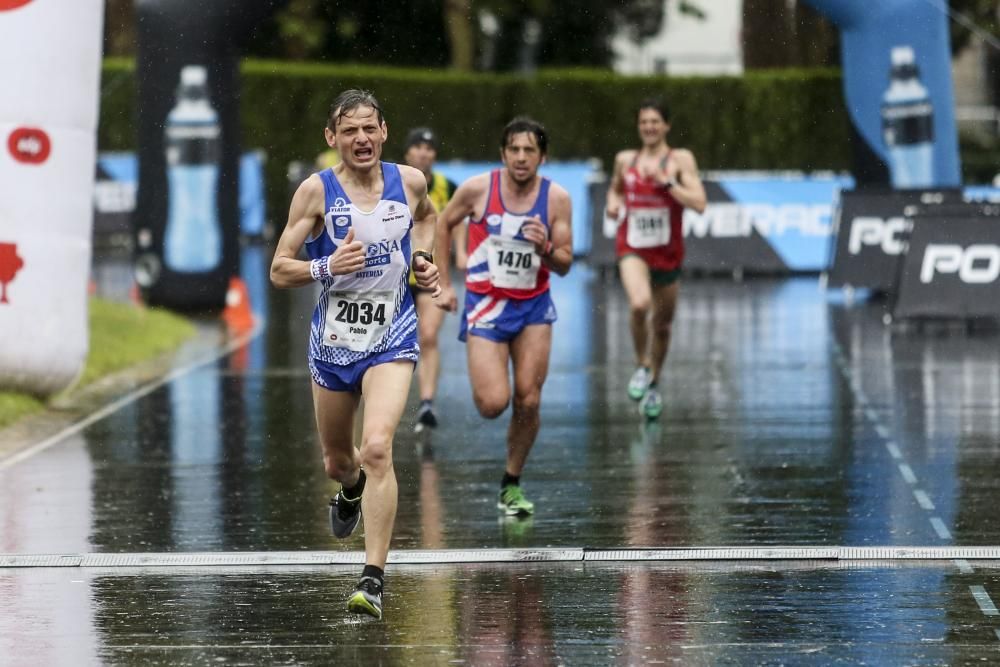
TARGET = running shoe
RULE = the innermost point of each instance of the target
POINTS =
(366, 598)
(344, 515)
(652, 404)
(513, 502)
(426, 417)
(639, 383)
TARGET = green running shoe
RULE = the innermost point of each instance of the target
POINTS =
(366, 598)
(513, 502)
(638, 383)
(652, 404)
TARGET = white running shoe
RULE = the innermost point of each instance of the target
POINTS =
(639, 383)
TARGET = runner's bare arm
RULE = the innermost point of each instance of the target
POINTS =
(460, 244)
(462, 204)
(424, 222)
(616, 188)
(304, 216)
(424, 213)
(687, 187)
(558, 252)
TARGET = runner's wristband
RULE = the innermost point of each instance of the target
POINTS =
(320, 268)
(421, 253)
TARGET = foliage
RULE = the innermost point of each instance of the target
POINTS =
(983, 14)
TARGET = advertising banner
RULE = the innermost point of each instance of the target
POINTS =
(896, 58)
(870, 233)
(755, 222)
(186, 221)
(48, 123)
(118, 181)
(762, 223)
(952, 268)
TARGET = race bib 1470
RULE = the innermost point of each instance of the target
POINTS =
(513, 264)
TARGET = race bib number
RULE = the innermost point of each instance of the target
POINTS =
(356, 320)
(648, 227)
(513, 264)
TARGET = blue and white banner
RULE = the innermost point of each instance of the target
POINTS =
(761, 222)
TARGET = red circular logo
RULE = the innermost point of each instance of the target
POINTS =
(29, 145)
(12, 4)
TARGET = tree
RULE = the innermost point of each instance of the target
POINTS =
(777, 34)
(983, 15)
(119, 28)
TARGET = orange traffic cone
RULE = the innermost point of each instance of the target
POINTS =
(237, 314)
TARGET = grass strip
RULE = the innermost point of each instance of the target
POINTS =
(121, 335)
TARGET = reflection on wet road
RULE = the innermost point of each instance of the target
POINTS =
(791, 419)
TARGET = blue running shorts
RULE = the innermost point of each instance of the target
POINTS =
(348, 378)
(499, 319)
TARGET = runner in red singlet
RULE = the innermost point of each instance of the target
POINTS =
(649, 190)
(519, 232)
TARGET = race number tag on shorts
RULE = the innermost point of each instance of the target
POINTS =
(356, 320)
(513, 264)
(648, 227)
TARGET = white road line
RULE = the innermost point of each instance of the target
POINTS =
(907, 473)
(923, 499)
(894, 450)
(882, 431)
(963, 566)
(940, 528)
(984, 601)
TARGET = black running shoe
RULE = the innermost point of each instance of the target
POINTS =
(366, 598)
(344, 515)
(426, 416)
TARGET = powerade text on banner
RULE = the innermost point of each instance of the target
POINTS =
(897, 89)
(51, 55)
(952, 266)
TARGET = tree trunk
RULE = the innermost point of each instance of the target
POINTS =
(119, 28)
(461, 40)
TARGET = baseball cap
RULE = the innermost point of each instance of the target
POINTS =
(420, 135)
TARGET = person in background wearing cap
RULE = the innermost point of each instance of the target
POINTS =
(421, 152)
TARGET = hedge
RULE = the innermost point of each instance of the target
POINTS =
(780, 119)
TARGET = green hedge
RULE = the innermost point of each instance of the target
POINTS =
(781, 119)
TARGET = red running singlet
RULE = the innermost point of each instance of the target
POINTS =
(502, 263)
(652, 228)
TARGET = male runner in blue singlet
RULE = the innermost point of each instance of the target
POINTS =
(355, 221)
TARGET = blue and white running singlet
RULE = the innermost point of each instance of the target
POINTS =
(370, 311)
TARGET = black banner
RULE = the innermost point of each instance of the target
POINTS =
(870, 234)
(186, 222)
(952, 266)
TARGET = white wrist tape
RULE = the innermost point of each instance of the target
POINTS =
(320, 268)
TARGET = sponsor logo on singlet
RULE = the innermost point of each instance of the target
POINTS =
(380, 252)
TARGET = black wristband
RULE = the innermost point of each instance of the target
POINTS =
(422, 253)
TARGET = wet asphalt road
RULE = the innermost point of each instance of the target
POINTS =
(792, 418)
